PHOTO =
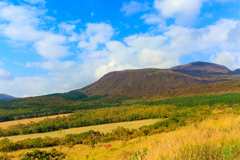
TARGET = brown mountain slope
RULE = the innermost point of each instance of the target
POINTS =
(204, 69)
(150, 82)
(216, 88)
(140, 83)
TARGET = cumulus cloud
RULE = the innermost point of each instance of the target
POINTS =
(184, 11)
(99, 54)
(230, 59)
(134, 7)
(112, 66)
(68, 28)
(6, 76)
(95, 34)
(21, 23)
(153, 19)
(234, 34)
(51, 47)
(157, 58)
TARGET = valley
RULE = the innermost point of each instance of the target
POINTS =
(128, 109)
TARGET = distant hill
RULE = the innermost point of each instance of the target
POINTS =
(200, 69)
(150, 82)
(237, 71)
(140, 83)
(6, 97)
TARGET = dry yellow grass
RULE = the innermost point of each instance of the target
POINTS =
(177, 145)
(27, 121)
(102, 128)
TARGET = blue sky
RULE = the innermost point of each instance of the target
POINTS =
(47, 46)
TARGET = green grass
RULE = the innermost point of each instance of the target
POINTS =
(231, 98)
(102, 128)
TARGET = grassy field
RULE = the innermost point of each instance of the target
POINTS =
(102, 128)
(27, 121)
(211, 139)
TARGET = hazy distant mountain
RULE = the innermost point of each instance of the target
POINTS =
(6, 97)
(237, 71)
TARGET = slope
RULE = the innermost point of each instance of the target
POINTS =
(210, 89)
(140, 83)
(210, 71)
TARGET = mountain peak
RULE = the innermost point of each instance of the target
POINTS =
(203, 67)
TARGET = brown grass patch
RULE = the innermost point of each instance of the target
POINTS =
(102, 128)
(5, 125)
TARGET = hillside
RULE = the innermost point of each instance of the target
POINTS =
(202, 67)
(140, 83)
(151, 82)
(210, 89)
(6, 97)
(210, 71)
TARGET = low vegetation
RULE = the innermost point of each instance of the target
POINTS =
(194, 127)
(104, 128)
(213, 138)
(210, 89)
(131, 111)
(7, 124)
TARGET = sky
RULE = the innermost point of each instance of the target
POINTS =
(52, 46)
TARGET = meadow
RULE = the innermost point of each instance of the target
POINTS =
(210, 139)
(101, 128)
(195, 121)
(7, 124)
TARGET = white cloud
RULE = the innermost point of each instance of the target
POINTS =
(189, 40)
(229, 59)
(95, 34)
(52, 47)
(184, 11)
(157, 58)
(112, 66)
(68, 28)
(234, 34)
(34, 1)
(134, 7)
(52, 65)
(153, 19)
(6, 76)
(58, 81)
(21, 23)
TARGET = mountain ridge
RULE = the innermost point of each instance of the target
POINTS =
(151, 81)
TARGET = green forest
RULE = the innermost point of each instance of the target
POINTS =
(130, 111)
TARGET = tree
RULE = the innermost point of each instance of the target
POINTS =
(145, 130)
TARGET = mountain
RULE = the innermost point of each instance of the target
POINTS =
(237, 71)
(140, 83)
(150, 82)
(202, 68)
(6, 97)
